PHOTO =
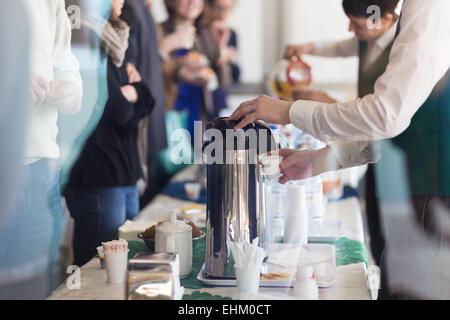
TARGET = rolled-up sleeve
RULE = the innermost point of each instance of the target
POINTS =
(352, 154)
(344, 48)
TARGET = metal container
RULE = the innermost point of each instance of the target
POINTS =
(153, 276)
(233, 193)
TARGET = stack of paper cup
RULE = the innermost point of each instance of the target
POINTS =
(296, 217)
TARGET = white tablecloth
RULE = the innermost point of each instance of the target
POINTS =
(351, 280)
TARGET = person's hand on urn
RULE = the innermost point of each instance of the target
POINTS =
(264, 108)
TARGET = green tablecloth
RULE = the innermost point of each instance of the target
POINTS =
(347, 252)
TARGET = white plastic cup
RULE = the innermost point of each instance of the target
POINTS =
(101, 255)
(247, 280)
(193, 190)
(116, 266)
(271, 166)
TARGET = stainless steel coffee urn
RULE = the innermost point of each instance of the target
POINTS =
(233, 190)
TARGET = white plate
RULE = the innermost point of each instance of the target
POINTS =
(330, 270)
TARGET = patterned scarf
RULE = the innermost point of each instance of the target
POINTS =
(114, 36)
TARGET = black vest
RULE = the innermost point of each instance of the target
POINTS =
(368, 76)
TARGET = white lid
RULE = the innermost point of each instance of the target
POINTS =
(174, 225)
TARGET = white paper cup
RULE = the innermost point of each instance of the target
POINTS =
(116, 266)
(193, 190)
(271, 166)
(247, 280)
(101, 255)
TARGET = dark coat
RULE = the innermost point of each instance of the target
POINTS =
(144, 54)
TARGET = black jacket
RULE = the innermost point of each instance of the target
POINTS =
(144, 54)
(110, 155)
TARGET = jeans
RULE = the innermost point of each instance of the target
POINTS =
(98, 214)
(29, 243)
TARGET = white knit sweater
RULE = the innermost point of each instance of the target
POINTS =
(52, 59)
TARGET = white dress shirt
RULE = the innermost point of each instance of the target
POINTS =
(350, 47)
(420, 57)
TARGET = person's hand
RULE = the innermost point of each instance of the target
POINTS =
(227, 55)
(183, 38)
(298, 50)
(59, 92)
(220, 33)
(263, 108)
(196, 74)
(312, 95)
(304, 164)
(64, 95)
(133, 74)
(39, 88)
(130, 93)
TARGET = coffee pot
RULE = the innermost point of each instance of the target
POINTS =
(234, 210)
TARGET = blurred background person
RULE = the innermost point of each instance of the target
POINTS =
(189, 79)
(14, 57)
(144, 54)
(29, 245)
(218, 41)
(102, 192)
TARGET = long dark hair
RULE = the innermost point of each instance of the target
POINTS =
(171, 13)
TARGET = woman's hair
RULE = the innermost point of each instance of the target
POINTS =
(171, 12)
(358, 8)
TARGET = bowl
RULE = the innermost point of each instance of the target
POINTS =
(199, 237)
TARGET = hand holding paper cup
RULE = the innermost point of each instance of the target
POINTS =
(271, 165)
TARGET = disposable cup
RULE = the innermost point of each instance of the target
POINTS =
(116, 266)
(101, 255)
(193, 190)
(271, 166)
(247, 280)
